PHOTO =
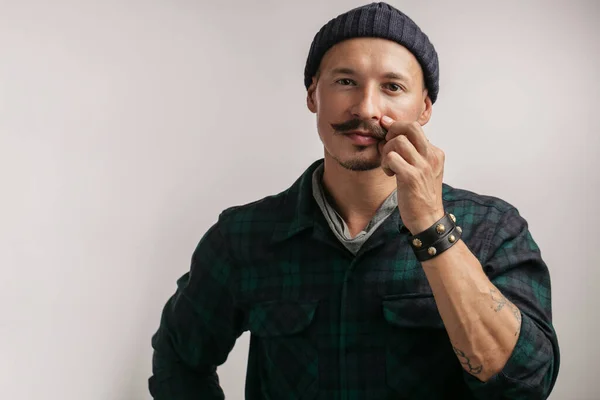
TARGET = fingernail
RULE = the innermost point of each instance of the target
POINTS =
(387, 119)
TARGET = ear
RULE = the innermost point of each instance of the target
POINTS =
(310, 96)
(427, 108)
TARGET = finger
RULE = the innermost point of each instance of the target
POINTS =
(387, 171)
(396, 163)
(394, 128)
(405, 148)
(415, 134)
(387, 122)
(412, 130)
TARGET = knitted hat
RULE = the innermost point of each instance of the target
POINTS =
(376, 20)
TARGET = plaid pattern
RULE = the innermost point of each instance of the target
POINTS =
(332, 326)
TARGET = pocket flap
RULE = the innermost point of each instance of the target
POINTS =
(281, 317)
(412, 311)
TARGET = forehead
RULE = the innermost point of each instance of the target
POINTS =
(371, 54)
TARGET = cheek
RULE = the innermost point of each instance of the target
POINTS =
(329, 103)
(330, 109)
(405, 112)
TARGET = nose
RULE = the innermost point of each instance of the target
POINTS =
(366, 106)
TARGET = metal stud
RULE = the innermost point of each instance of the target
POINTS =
(452, 238)
(417, 243)
(459, 229)
(432, 251)
(452, 217)
(440, 228)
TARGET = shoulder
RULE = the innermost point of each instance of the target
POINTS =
(247, 229)
(475, 207)
(482, 217)
(466, 198)
(261, 212)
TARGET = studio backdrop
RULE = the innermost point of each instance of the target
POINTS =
(127, 126)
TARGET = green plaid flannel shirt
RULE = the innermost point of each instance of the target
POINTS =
(328, 325)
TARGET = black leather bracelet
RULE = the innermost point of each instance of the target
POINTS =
(433, 233)
(439, 237)
(443, 244)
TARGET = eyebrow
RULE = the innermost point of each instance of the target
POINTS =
(388, 75)
(396, 75)
(344, 71)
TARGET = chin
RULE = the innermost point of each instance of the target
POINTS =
(359, 162)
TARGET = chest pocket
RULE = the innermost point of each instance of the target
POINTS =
(417, 347)
(286, 350)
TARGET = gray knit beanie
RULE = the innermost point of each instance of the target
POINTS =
(376, 20)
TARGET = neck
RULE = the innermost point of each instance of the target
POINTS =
(357, 194)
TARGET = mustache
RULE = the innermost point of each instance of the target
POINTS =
(375, 130)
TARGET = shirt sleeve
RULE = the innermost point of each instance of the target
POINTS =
(513, 263)
(198, 328)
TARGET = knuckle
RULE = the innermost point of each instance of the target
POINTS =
(403, 139)
(391, 156)
(440, 155)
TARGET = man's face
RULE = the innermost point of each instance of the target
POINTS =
(359, 81)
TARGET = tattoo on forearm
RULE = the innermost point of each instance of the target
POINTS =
(517, 313)
(467, 363)
(500, 301)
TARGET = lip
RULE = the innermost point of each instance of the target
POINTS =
(361, 138)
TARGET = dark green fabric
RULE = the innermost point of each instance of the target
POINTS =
(328, 325)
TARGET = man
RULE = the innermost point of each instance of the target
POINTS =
(369, 278)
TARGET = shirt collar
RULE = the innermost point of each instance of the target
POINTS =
(299, 207)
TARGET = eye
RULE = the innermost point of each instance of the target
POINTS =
(345, 81)
(394, 87)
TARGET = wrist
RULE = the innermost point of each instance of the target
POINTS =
(435, 239)
(423, 223)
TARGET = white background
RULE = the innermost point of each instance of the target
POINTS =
(127, 126)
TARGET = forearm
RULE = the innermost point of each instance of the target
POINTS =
(482, 324)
